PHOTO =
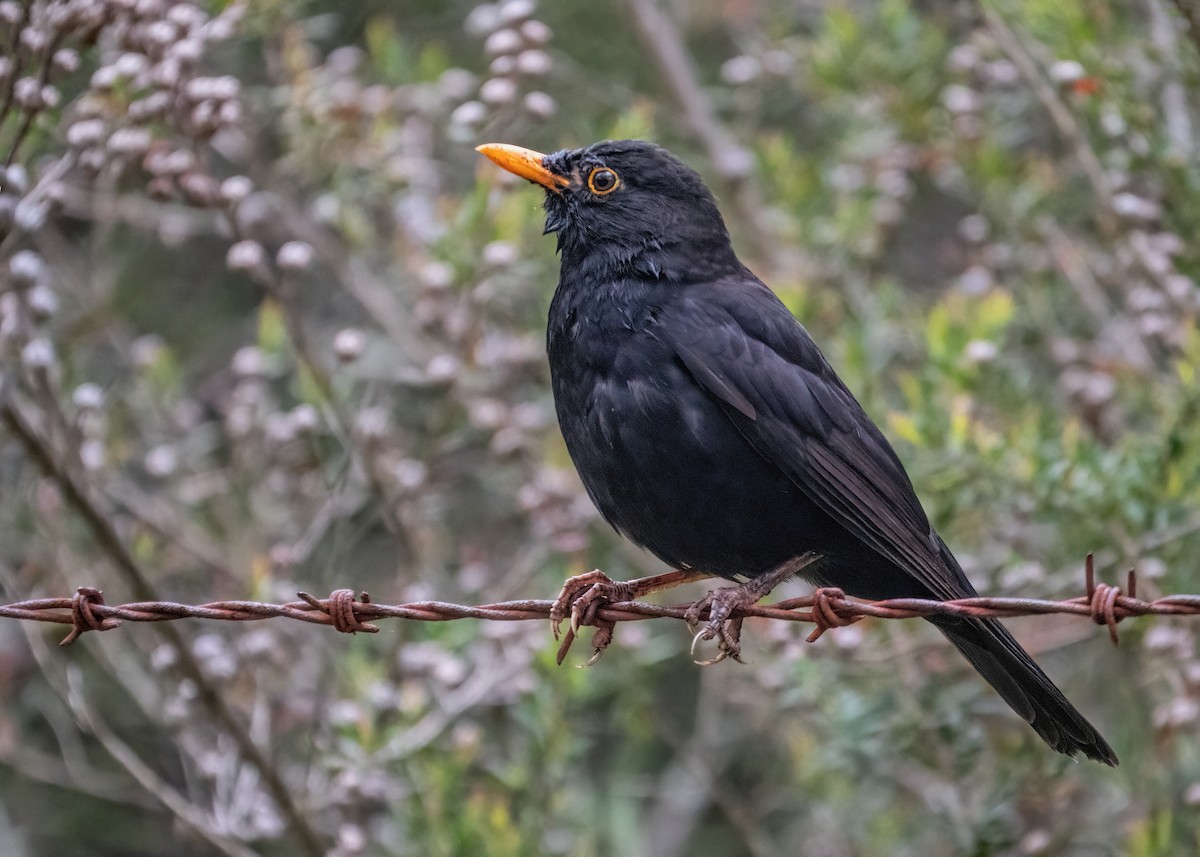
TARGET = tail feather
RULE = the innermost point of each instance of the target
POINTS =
(999, 658)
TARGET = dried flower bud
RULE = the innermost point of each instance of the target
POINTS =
(34, 39)
(30, 216)
(499, 253)
(437, 275)
(25, 268)
(960, 99)
(248, 256)
(146, 350)
(28, 93)
(349, 344)
(304, 418)
(129, 141)
(50, 96)
(741, 70)
(86, 132)
(963, 58)
(1133, 207)
(248, 361)
(229, 113)
(38, 353)
(88, 397)
(161, 461)
(502, 42)
(186, 16)
(536, 33)
(981, 351)
(512, 11)
(200, 188)
(43, 303)
(220, 29)
(179, 161)
(534, 63)
(456, 83)
(160, 33)
(442, 369)
(202, 115)
(16, 179)
(91, 160)
(147, 8)
(540, 105)
(236, 188)
(91, 454)
(975, 280)
(279, 429)
(1066, 71)
(974, 228)
(498, 90)
(212, 88)
(129, 65)
(503, 64)
(469, 114)
(482, 19)
(166, 73)
(295, 256)
(150, 107)
(372, 423)
(65, 60)
(410, 473)
(187, 51)
(104, 78)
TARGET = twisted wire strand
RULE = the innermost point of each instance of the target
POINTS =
(347, 612)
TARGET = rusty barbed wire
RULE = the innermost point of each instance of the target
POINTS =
(827, 608)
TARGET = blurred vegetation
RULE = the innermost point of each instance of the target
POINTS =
(261, 300)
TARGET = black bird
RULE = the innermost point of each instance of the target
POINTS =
(709, 428)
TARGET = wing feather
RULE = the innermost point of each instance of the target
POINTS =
(748, 352)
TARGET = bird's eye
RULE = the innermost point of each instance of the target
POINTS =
(602, 180)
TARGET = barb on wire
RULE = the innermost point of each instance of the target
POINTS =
(826, 608)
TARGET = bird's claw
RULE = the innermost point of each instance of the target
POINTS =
(729, 642)
(582, 597)
(719, 605)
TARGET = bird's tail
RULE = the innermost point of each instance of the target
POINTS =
(1021, 683)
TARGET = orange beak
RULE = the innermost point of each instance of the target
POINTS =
(525, 163)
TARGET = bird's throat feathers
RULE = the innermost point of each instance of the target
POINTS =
(662, 247)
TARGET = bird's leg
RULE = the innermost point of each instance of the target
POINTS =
(585, 594)
(722, 603)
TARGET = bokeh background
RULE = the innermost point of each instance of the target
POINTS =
(268, 323)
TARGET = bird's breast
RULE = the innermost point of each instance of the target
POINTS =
(659, 458)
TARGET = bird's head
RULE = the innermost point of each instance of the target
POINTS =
(625, 207)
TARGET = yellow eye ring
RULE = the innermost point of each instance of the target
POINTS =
(603, 181)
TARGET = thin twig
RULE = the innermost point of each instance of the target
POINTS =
(80, 497)
(732, 161)
(1062, 117)
(146, 777)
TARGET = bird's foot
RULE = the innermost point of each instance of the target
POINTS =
(720, 605)
(583, 596)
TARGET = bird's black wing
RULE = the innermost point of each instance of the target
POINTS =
(742, 345)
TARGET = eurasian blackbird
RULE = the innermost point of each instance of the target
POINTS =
(708, 427)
